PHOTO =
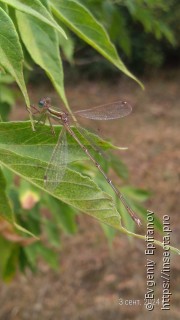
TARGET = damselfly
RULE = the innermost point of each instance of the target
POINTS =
(58, 162)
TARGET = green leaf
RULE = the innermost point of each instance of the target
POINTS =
(7, 266)
(167, 33)
(5, 207)
(4, 7)
(156, 242)
(76, 190)
(31, 255)
(127, 221)
(6, 101)
(143, 212)
(109, 232)
(5, 109)
(119, 167)
(11, 264)
(6, 95)
(67, 47)
(49, 256)
(40, 144)
(24, 230)
(23, 262)
(63, 215)
(36, 9)
(52, 232)
(42, 44)
(11, 55)
(6, 78)
(37, 249)
(140, 195)
(9, 177)
(83, 23)
(6, 211)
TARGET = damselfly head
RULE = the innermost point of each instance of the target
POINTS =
(44, 102)
(41, 103)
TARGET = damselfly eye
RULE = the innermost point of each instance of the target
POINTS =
(41, 103)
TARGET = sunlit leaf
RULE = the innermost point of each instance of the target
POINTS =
(36, 9)
(42, 44)
(80, 20)
(11, 55)
(40, 144)
(76, 190)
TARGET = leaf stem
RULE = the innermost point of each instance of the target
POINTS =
(139, 236)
